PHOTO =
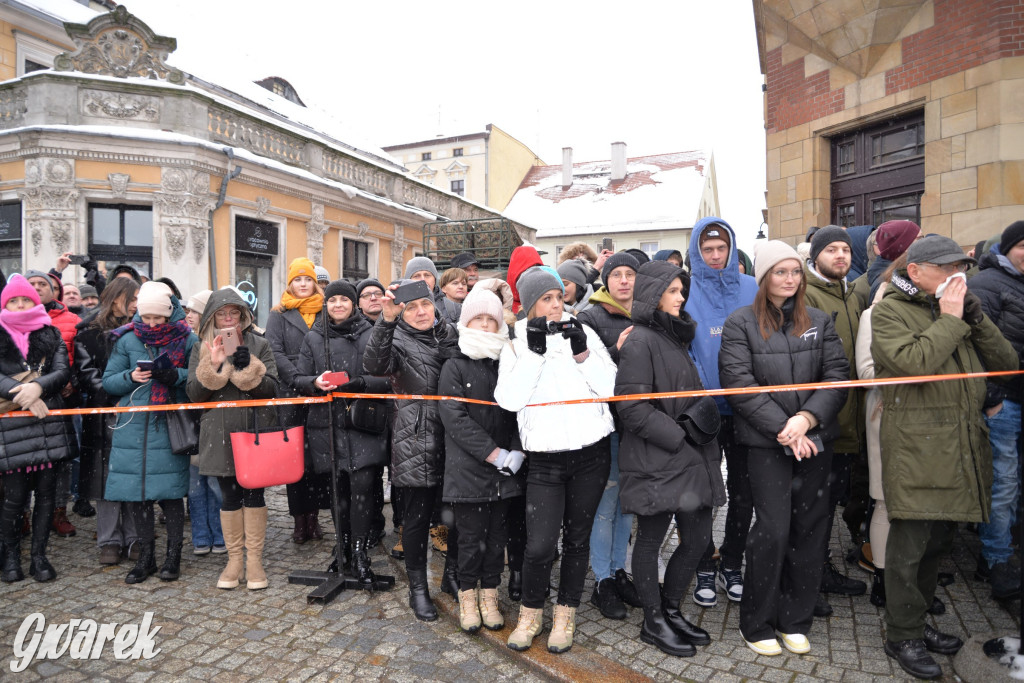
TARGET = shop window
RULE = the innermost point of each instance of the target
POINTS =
(459, 187)
(355, 263)
(256, 250)
(121, 234)
(10, 238)
(878, 172)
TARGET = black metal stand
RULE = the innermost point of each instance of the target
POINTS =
(330, 583)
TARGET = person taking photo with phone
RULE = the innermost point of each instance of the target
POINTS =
(149, 366)
(780, 340)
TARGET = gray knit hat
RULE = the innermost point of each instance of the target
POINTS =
(418, 263)
(574, 270)
(534, 282)
(826, 236)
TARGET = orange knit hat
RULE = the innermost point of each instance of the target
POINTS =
(301, 266)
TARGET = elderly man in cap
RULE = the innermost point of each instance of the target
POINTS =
(469, 263)
(1000, 286)
(828, 290)
(936, 458)
(90, 297)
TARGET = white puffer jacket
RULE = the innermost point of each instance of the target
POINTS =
(525, 378)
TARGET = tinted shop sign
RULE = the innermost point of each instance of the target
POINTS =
(256, 237)
(10, 221)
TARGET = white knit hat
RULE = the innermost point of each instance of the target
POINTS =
(769, 254)
(483, 302)
(155, 299)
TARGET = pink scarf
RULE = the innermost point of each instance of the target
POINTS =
(20, 324)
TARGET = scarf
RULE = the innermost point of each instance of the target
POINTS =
(170, 338)
(19, 324)
(478, 344)
(308, 307)
(680, 327)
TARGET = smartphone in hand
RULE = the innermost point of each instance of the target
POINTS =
(230, 337)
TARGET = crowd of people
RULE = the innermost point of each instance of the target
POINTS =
(534, 467)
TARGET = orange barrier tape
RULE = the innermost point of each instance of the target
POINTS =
(267, 402)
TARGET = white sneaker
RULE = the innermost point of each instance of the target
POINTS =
(704, 593)
(769, 647)
(796, 643)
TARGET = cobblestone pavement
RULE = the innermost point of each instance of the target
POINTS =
(217, 635)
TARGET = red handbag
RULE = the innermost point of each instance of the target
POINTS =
(265, 459)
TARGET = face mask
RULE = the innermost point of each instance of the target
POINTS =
(942, 288)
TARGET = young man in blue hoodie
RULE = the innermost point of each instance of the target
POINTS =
(717, 288)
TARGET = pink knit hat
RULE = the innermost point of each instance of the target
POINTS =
(18, 286)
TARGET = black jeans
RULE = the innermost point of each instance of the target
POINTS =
(233, 496)
(563, 489)
(419, 508)
(355, 501)
(482, 536)
(786, 546)
(142, 515)
(515, 522)
(857, 513)
(741, 506)
(694, 531)
(397, 505)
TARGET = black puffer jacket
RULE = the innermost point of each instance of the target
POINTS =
(411, 359)
(346, 343)
(472, 432)
(607, 320)
(661, 471)
(1000, 287)
(92, 349)
(285, 332)
(747, 360)
(26, 441)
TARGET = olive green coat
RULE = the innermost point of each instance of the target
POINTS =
(838, 300)
(936, 459)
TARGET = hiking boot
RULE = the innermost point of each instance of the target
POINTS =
(704, 593)
(832, 581)
(490, 615)
(146, 565)
(171, 569)
(607, 600)
(913, 658)
(563, 625)
(439, 538)
(469, 611)
(531, 623)
(398, 551)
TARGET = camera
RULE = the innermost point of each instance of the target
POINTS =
(560, 326)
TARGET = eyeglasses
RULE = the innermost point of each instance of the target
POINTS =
(949, 268)
(782, 274)
(372, 295)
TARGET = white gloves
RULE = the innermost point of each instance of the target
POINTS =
(509, 462)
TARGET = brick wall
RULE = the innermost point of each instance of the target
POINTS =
(965, 34)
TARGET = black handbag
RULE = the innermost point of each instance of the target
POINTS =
(367, 415)
(183, 430)
(701, 421)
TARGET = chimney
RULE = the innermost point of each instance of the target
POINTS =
(567, 167)
(618, 161)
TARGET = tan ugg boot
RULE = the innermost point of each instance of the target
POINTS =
(233, 527)
(255, 535)
(469, 611)
(562, 627)
(531, 623)
(489, 613)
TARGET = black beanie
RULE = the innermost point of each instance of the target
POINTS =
(342, 287)
(1013, 234)
(826, 236)
(614, 261)
(368, 282)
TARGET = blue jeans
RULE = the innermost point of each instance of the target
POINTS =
(609, 538)
(1004, 435)
(204, 509)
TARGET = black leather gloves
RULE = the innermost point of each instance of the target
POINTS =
(240, 359)
(973, 314)
(537, 335)
(577, 337)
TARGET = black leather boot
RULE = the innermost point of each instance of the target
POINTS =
(39, 567)
(419, 596)
(145, 566)
(690, 632)
(515, 585)
(450, 578)
(361, 565)
(656, 631)
(11, 567)
(172, 564)
(878, 588)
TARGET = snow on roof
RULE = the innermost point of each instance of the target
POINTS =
(660, 191)
(209, 76)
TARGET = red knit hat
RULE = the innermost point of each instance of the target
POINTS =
(894, 237)
(18, 286)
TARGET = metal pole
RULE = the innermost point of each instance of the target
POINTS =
(230, 151)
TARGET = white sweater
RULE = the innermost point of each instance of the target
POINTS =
(525, 378)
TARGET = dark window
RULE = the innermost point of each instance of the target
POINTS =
(120, 233)
(459, 187)
(355, 260)
(425, 156)
(878, 172)
(31, 66)
(10, 238)
(457, 152)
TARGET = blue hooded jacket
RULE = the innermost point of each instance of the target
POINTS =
(859, 250)
(714, 294)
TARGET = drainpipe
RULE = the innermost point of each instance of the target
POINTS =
(220, 202)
